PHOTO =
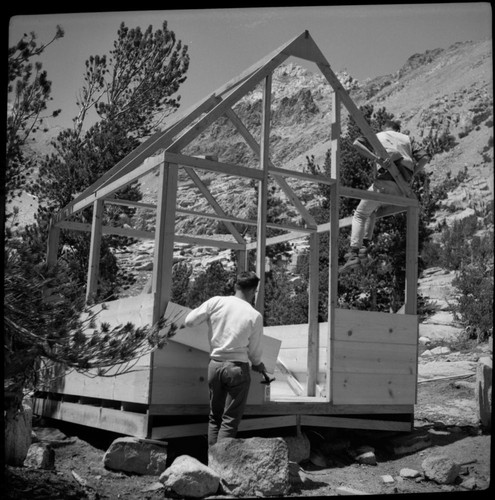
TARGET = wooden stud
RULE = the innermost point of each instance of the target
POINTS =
(313, 326)
(94, 252)
(412, 260)
(333, 277)
(52, 244)
(164, 239)
(263, 194)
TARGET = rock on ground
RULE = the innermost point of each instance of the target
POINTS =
(40, 456)
(299, 447)
(188, 477)
(251, 467)
(137, 456)
(441, 469)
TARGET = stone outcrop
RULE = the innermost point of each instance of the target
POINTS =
(251, 467)
(299, 447)
(136, 456)
(188, 477)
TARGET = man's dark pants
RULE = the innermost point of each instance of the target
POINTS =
(229, 383)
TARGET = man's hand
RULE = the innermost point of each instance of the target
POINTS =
(259, 368)
(384, 162)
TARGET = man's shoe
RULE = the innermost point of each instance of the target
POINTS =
(363, 255)
(353, 261)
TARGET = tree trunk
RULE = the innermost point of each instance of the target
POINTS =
(18, 417)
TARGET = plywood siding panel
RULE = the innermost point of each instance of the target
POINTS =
(180, 376)
(368, 357)
(366, 326)
(374, 358)
(129, 387)
(369, 388)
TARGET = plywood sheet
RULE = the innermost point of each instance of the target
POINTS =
(180, 376)
(197, 336)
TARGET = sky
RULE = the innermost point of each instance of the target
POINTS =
(365, 40)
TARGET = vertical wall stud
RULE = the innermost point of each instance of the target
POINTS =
(94, 251)
(263, 194)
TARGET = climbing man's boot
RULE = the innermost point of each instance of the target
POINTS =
(352, 262)
(363, 255)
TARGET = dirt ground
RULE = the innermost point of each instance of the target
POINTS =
(79, 471)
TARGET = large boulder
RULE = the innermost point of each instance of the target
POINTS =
(251, 467)
(188, 477)
(483, 391)
(136, 456)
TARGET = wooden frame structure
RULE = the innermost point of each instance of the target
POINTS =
(357, 364)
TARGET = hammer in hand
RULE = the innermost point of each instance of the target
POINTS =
(266, 379)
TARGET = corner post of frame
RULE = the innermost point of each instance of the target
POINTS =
(334, 235)
(164, 238)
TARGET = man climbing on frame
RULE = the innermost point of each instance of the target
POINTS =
(235, 328)
(409, 159)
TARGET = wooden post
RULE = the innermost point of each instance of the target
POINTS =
(263, 194)
(94, 251)
(52, 245)
(412, 260)
(333, 235)
(242, 256)
(313, 329)
(164, 239)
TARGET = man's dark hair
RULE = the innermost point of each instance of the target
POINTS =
(247, 280)
(392, 124)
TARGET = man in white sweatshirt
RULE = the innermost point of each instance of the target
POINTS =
(235, 328)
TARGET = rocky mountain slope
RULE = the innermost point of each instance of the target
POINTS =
(441, 92)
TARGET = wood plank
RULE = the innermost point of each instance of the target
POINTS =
(369, 357)
(164, 239)
(369, 388)
(411, 295)
(122, 422)
(333, 268)
(146, 167)
(355, 423)
(263, 194)
(364, 194)
(313, 326)
(282, 172)
(292, 406)
(94, 252)
(214, 166)
(371, 326)
(175, 431)
(52, 244)
(120, 231)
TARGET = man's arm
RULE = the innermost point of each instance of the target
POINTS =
(255, 349)
(197, 316)
(362, 147)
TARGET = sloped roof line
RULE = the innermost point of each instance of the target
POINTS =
(160, 138)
